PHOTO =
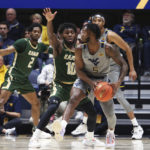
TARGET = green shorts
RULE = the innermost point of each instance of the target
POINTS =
(62, 91)
(22, 86)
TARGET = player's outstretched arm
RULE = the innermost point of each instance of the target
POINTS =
(54, 42)
(7, 51)
(115, 38)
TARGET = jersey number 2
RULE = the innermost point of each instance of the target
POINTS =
(71, 68)
(31, 62)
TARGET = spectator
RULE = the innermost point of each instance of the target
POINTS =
(16, 29)
(46, 75)
(44, 79)
(129, 32)
(3, 70)
(27, 33)
(8, 59)
(146, 48)
(10, 116)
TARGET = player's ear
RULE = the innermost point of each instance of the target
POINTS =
(103, 23)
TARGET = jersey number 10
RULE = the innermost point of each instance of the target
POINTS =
(71, 68)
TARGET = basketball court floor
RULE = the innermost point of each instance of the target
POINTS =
(71, 143)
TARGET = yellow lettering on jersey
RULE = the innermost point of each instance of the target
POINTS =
(95, 69)
(141, 4)
(101, 54)
(69, 57)
(32, 53)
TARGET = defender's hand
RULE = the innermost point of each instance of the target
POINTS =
(48, 14)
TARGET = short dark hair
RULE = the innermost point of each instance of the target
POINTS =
(64, 26)
(5, 23)
(99, 15)
(35, 25)
(95, 29)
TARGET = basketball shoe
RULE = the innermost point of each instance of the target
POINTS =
(110, 138)
(34, 141)
(45, 135)
(89, 140)
(58, 130)
(137, 133)
(11, 131)
(38, 134)
(80, 130)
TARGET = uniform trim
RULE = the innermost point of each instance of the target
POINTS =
(34, 47)
(11, 68)
(67, 82)
(8, 84)
(68, 49)
(54, 89)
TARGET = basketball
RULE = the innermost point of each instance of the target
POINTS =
(103, 91)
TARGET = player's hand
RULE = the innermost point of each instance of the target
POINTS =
(48, 14)
(115, 87)
(93, 84)
(132, 75)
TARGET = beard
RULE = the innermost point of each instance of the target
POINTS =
(69, 43)
(34, 39)
(86, 40)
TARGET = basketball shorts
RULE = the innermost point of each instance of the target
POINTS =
(62, 91)
(22, 86)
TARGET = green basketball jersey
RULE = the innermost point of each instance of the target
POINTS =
(25, 58)
(64, 63)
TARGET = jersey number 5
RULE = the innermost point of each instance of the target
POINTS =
(71, 68)
(31, 62)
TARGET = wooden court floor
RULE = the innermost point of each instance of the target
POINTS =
(71, 143)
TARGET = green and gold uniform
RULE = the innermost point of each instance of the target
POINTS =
(64, 74)
(26, 54)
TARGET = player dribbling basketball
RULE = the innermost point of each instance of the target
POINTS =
(92, 65)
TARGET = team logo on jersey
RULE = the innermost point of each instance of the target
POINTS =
(10, 104)
(94, 61)
(101, 54)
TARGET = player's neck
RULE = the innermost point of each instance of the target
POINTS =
(102, 30)
(69, 46)
(93, 46)
(34, 43)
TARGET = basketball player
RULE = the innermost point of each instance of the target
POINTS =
(92, 64)
(111, 37)
(65, 75)
(26, 52)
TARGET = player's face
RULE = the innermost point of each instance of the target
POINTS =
(84, 34)
(69, 35)
(35, 33)
(99, 21)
